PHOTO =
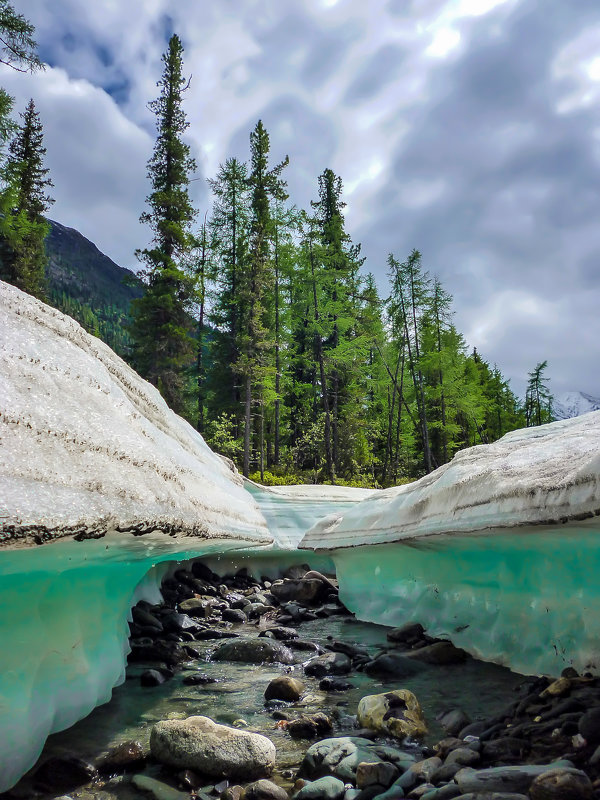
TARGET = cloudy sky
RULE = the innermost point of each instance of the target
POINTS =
(469, 129)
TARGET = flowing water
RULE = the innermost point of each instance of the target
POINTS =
(479, 688)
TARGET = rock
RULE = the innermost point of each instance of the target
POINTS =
(376, 772)
(198, 606)
(264, 790)
(562, 784)
(464, 756)
(506, 748)
(123, 755)
(491, 796)
(334, 685)
(454, 721)
(215, 633)
(397, 713)
(144, 618)
(232, 793)
(300, 644)
(61, 773)
(515, 779)
(235, 615)
(340, 756)
(296, 571)
(421, 772)
(204, 573)
(200, 744)
(145, 650)
(393, 793)
(152, 677)
(393, 665)
(438, 653)
(589, 726)
(254, 651)
(448, 792)
(198, 680)
(300, 591)
(328, 664)
(557, 688)
(175, 623)
(158, 789)
(284, 688)
(281, 633)
(309, 726)
(326, 788)
(410, 631)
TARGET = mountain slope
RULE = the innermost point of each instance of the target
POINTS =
(89, 286)
(574, 404)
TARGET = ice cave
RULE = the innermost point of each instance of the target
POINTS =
(102, 487)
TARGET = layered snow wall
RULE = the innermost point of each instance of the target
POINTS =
(497, 550)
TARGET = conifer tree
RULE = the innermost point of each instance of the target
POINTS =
(229, 246)
(161, 327)
(25, 199)
(17, 45)
(265, 184)
(538, 398)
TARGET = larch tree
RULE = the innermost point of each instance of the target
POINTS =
(161, 319)
(25, 200)
(538, 398)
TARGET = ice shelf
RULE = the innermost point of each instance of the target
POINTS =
(497, 550)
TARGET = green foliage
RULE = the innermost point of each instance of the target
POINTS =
(25, 200)
(17, 45)
(161, 327)
(220, 435)
(538, 399)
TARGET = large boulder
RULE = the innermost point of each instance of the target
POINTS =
(397, 713)
(340, 757)
(254, 651)
(200, 744)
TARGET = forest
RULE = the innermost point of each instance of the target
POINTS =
(261, 323)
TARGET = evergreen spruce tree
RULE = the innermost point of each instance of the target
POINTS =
(256, 286)
(25, 199)
(161, 326)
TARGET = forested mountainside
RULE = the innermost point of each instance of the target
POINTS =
(89, 286)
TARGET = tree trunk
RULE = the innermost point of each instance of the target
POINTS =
(247, 421)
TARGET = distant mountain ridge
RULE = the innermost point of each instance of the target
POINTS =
(86, 284)
(574, 404)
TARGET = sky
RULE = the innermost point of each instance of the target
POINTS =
(469, 129)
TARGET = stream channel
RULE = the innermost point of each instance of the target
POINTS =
(237, 698)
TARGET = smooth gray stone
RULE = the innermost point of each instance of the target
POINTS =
(516, 779)
(326, 788)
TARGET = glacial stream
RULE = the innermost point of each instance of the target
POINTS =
(480, 689)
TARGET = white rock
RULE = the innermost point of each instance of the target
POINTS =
(199, 743)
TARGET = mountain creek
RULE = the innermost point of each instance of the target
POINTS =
(218, 646)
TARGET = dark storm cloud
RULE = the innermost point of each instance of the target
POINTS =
(458, 126)
(521, 181)
(378, 72)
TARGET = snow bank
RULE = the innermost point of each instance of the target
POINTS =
(498, 550)
(548, 475)
(88, 446)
